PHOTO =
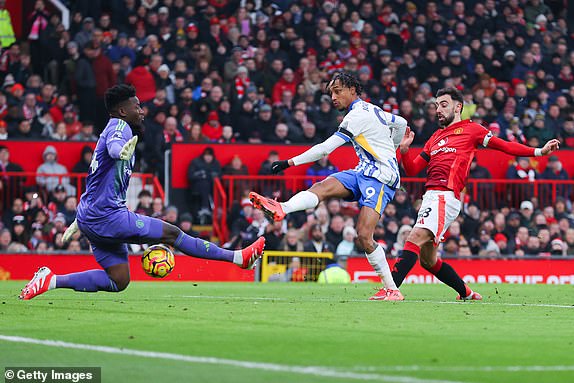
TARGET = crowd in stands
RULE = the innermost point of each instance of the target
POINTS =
(253, 71)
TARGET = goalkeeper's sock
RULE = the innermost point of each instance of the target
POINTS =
(301, 201)
(406, 262)
(446, 274)
(379, 262)
(200, 248)
(85, 281)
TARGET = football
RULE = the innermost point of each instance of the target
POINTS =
(158, 261)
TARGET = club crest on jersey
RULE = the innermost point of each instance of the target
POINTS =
(458, 130)
(443, 142)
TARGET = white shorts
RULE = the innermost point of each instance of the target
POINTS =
(438, 210)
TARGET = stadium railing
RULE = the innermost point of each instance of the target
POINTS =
(14, 184)
(486, 193)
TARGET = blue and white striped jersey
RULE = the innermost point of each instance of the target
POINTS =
(375, 135)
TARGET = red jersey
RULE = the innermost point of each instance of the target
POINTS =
(449, 152)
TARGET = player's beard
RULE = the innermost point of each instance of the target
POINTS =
(447, 120)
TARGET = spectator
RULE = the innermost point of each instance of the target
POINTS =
(59, 133)
(201, 174)
(317, 242)
(291, 242)
(19, 230)
(539, 130)
(325, 118)
(569, 241)
(5, 240)
(11, 186)
(555, 171)
(212, 129)
(527, 211)
(52, 167)
(522, 170)
(144, 205)
(567, 133)
(321, 168)
(280, 134)
(286, 83)
(17, 208)
(334, 234)
(486, 245)
(86, 132)
(186, 224)
(450, 247)
(85, 82)
(235, 167)
(57, 200)
(485, 191)
(70, 207)
(263, 127)
(25, 131)
(402, 235)
(83, 165)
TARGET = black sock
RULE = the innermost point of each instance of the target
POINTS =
(446, 274)
(404, 264)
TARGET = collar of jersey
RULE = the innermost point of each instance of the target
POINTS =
(353, 104)
(456, 124)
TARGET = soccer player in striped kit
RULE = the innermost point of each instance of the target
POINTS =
(375, 135)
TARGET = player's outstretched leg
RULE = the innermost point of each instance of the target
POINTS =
(86, 281)
(276, 211)
(200, 248)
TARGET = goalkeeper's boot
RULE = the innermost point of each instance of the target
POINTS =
(252, 253)
(38, 285)
(270, 207)
(473, 296)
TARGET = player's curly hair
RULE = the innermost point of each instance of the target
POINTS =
(347, 80)
(118, 94)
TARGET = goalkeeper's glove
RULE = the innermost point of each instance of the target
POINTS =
(279, 166)
(128, 150)
(70, 231)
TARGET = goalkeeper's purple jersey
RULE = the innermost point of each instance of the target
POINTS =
(108, 176)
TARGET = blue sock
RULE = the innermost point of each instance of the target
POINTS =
(87, 281)
(201, 249)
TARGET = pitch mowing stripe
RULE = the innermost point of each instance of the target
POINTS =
(246, 298)
(271, 367)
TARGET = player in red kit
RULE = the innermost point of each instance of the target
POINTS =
(448, 154)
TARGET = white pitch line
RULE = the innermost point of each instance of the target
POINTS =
(271, 367)
(466, 368)
(247, 298)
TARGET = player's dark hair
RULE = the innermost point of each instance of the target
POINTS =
(454, 93)
(117, 94)
(347, 80)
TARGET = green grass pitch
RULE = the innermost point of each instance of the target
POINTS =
(231, 332)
